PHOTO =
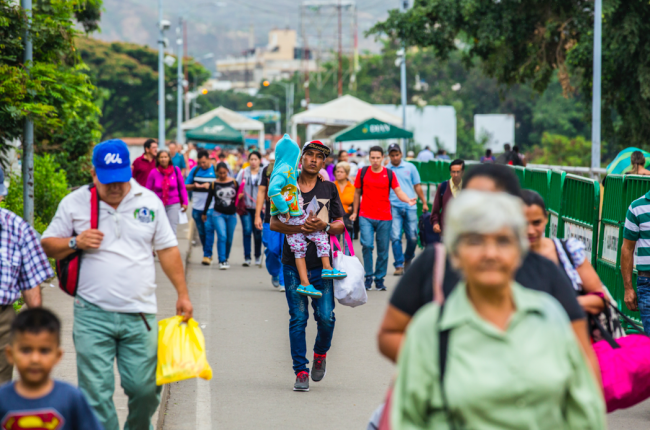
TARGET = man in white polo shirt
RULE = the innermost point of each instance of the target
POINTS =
(115, 307)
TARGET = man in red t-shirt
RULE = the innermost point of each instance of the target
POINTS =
(145, 163)
(374, 183)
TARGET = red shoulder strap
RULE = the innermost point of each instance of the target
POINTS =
(94, 207)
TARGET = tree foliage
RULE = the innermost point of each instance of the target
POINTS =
(54, 90)
(126, 75)
(530, 41)
(560, 150)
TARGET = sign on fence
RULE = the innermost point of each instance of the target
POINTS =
(583, 234)
(554, 224)
(610, 243)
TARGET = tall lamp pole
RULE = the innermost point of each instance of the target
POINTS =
(403, 80)
(162, 26)
(179, 83)
(28, 136)
(595, 104)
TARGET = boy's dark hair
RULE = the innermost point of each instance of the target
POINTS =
(503, 177)
(148, 142)
(533, 198)
(516, 149)
(506, 147)
(221, 155)
(377, 149)
(488, 152)
(202, 153)
(36, 320)
(457, 162)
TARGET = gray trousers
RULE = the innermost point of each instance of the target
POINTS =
(172, 214)
(7, 315)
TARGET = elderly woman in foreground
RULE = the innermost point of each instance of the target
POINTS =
(512, 360)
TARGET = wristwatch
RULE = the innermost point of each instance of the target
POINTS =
(73, 243)
(327, 229)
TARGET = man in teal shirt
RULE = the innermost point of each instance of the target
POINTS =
(405, 217)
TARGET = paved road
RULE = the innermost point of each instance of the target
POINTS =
(245, 322)
(246, 329)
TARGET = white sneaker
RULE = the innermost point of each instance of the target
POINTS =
(247, 262)
(223, 265)
(227, 263)
(281, 289)
(258, 261)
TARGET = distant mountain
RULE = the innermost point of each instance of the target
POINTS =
(228, 27)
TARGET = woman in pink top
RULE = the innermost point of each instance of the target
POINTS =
(167, 182)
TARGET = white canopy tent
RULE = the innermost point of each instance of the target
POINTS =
(341, 113)
(232, 118)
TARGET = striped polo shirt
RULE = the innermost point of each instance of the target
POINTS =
(637, 228)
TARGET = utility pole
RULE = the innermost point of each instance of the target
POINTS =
(161, 78)
(595, 104)
(340, 53)
(305, 57)
(187, 75)
(179, 83)
(28, 134)
(405, 5)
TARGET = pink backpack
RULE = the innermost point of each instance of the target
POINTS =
(624, 367)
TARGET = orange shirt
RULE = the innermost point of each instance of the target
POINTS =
(346, 196)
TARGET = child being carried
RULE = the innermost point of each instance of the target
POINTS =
(287, 203)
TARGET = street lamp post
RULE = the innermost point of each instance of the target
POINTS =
(595, 104)
(162, 26)
(28, 136)
(403, 80)
(179, 83)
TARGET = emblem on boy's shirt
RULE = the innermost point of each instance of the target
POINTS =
(144, 215)
(45, 419)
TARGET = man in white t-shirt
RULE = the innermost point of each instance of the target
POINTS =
(115, 306)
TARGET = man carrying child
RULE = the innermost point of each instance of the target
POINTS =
(330, 211)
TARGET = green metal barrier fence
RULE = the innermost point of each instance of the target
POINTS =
(580, 212)
(608, 266)
(554, 204)
(538, 180)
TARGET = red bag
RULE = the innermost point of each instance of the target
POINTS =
(68, 269)
(240, 204)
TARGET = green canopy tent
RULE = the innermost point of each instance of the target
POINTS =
(371, 129)
(215, 131)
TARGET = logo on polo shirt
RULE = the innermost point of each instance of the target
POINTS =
(112, 158)
(144, 215)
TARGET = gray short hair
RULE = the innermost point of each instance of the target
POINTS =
(484, 213)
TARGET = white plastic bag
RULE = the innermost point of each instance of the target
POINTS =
(312, 207)
(349, 291)
(182, 217)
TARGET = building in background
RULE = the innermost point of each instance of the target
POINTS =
(279, 59)
(498, 129)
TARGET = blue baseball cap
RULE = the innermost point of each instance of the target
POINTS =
(111, 161)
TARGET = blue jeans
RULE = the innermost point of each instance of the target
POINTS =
(273, 252)
(407, 220)
(200, 226)
(249, 228)
(225, 227)
(643, 299)
(299, 312)
(368, 229)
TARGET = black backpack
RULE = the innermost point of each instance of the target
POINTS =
(390, 178)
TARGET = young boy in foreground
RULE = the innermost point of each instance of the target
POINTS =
(36, 401)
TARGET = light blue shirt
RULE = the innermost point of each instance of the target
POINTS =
(407, 177)
(425, 155)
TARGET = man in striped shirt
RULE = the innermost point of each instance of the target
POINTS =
(637, 232)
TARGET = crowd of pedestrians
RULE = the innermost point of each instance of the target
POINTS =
(488, 326)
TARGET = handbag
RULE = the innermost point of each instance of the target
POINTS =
(349, 291)
(68, 269)
(624, 366)
(240, 204)
(443, 339)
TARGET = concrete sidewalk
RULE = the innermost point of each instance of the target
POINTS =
(62, 305)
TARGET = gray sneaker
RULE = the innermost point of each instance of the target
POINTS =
(302, 382)
(318, 370)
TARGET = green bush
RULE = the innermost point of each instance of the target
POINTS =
(50, 187)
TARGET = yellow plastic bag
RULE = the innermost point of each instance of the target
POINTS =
(181, 351)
